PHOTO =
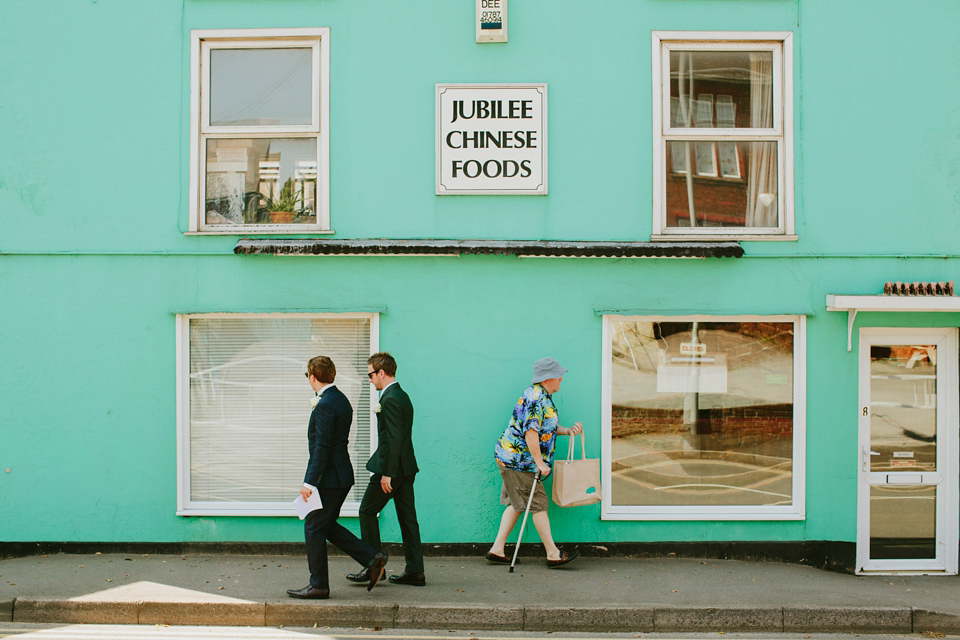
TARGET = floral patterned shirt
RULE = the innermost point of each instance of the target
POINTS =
(534, 410)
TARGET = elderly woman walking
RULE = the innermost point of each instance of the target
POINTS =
(525, 448)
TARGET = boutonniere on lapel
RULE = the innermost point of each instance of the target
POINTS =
(376, 408)
(315, 399)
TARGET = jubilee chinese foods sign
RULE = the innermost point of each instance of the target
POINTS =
(491, 139)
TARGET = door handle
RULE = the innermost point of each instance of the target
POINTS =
(867, 452)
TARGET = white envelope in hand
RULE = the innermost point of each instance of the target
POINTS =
(304, 507)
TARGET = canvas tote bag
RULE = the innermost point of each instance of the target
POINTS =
(576, 482)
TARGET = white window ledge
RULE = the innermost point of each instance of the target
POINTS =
(733, 237)
(853, 304)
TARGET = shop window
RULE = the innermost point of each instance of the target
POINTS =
(723, 128)
(704, 418)
(244, 405)
(259, 131)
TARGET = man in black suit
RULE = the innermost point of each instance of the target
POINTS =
(330, 473)
(394, 469)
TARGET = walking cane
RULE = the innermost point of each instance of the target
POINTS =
(523, 524)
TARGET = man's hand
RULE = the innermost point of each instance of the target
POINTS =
(305, 493)
(577, 428)
(544, 470)
(385, 484)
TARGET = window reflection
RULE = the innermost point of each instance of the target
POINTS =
(729, 182)
(702, 413)
(261, 181)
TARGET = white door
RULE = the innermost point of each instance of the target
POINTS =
(907, 494)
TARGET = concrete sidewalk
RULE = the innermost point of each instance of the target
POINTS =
(590, 594)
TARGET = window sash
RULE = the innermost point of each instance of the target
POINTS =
(208, 45)
(776, 48)
(202, 42)
(295, 466)
(780, 43)
(320, 196)
(794, 511)
(666, 172)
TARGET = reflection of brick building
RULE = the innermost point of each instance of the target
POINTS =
(718, 201)
(761, 429)
(718, 170)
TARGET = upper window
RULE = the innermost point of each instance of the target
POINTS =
(259, 155)
(723, 132)
(244, 405)
(703, 418)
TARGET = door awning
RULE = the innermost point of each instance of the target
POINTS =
(853, 304)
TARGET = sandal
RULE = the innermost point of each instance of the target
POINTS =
(493, 558)
(563, 559)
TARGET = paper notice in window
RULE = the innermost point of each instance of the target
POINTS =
(304, 507)
(699, 373)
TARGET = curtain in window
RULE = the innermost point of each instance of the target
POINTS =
(762, 173)
(250, 402)
(686, 113)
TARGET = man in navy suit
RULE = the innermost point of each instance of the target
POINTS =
(330, 473)
(394, 468)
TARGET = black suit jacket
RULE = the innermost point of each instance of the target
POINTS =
(394, 455)
(327, 435)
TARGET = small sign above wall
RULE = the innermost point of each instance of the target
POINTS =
(491, 139)
(491, 20)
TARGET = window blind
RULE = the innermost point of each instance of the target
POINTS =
(250, 402)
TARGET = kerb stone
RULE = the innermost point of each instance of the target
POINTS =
(718, 619)
(240, 614)
(457, 617)
(74, 612)
(637, 619)
(848, 619)
(324, 613)
(924, 620)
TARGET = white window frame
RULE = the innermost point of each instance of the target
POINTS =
(202, 41)
(188, 507)
(780, 43)
(795, 511)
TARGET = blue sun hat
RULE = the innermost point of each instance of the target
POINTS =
(546, 368)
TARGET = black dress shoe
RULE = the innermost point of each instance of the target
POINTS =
(413, 579)
(376, 569)
(309, 592)
(362, 576)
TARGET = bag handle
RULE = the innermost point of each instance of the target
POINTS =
(571, 447)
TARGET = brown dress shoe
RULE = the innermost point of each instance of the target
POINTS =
(376, 569)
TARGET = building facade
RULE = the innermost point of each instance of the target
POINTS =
(694, 206)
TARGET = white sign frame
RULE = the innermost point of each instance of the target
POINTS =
(528, 150)
(484, 9)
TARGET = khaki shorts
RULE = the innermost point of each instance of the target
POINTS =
(515, 491)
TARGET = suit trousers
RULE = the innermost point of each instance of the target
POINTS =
(374, 500)
(321, 525)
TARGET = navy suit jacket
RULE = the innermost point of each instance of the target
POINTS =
(394, 456)
(327, 435)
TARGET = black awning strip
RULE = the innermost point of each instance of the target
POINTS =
(544, 248)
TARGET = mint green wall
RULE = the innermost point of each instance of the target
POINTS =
(94, 148)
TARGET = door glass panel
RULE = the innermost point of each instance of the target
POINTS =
(903, 522)
(903, 440)
(903, 408)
